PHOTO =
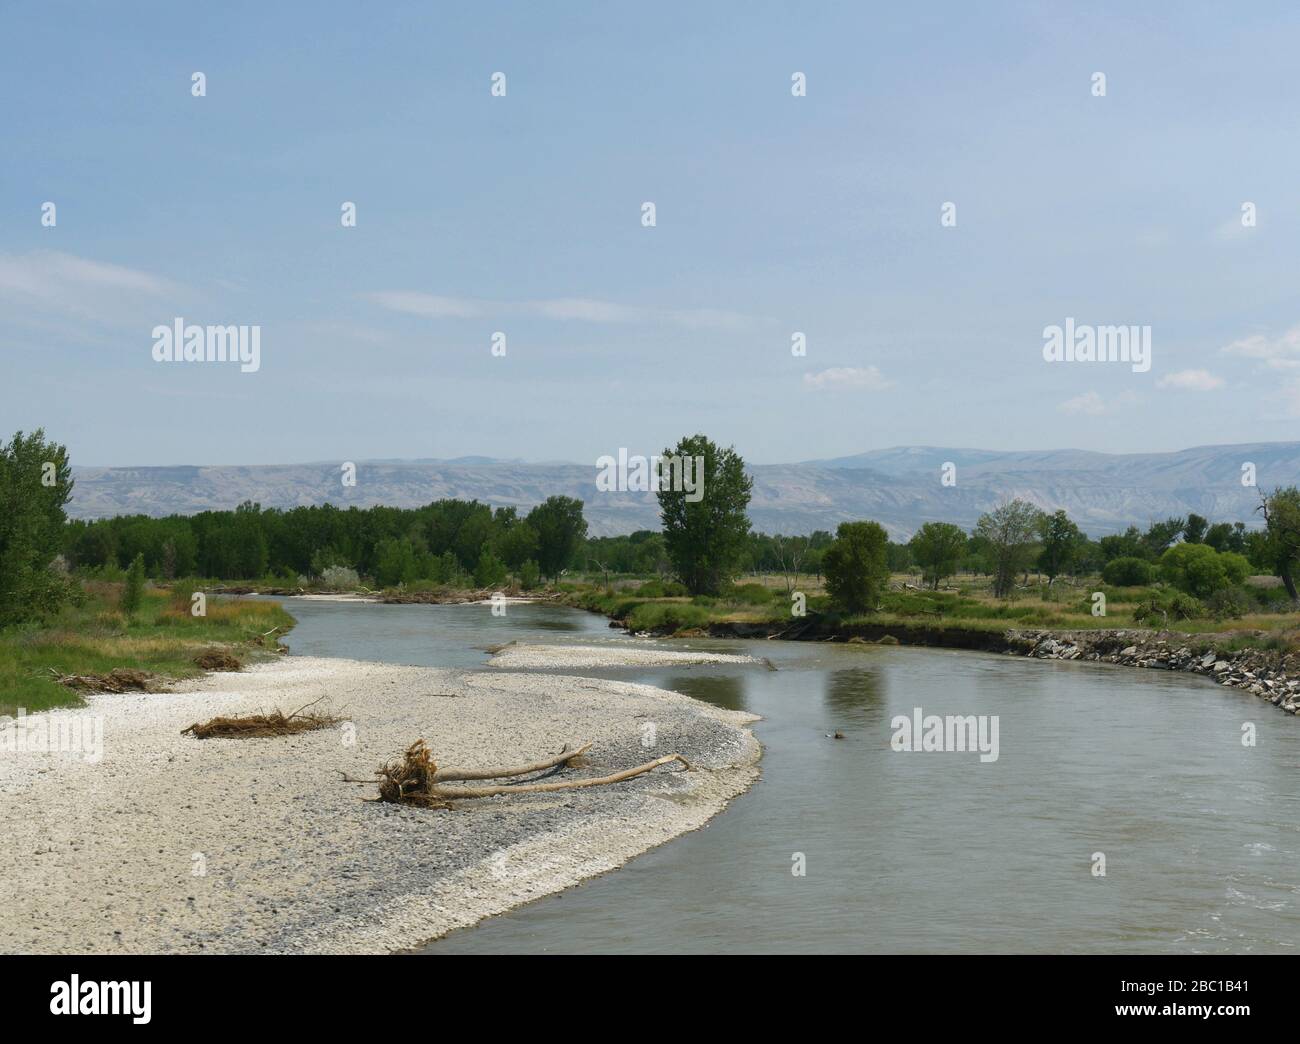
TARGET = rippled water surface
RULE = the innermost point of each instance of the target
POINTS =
(929, 852)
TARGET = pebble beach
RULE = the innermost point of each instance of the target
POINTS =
(166, 843)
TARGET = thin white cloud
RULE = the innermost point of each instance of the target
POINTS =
(560, 309)
(1279, 353)
(429, 305)
(865, 377)
(1191, 380)
(582, 309)
(60, 279)
(1089, 402)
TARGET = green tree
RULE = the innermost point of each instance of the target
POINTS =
(133, 589)
(1127, 572)
(856, 566)
(937, 547)
(1195, 530)
(1126, 545)
(529, 575)
(1009, 530)
(1062, 543)
(35, 484)
(395, 563)
(490, 570)
(560, 530)
(516, 545)
(1200, 570)
(1160, 535)
(1281, 544)
(1227, 536)
(706, 531)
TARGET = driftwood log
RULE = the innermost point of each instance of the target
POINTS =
(416, 779)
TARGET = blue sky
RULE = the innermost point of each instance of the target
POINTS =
(522, 214)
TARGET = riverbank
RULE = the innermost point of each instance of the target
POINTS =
(1269, 672)
(171, 844)
(93, 645)
(1264, 663)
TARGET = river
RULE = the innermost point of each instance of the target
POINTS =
(910, 851)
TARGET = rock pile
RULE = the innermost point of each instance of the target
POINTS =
(1266, 673)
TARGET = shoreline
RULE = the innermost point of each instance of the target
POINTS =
(1260, 671)
(171, 844)
(1268, 674)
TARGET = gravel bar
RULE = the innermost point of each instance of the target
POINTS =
(172, 844)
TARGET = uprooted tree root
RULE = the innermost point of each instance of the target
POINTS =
(248, 726)
(416, 779)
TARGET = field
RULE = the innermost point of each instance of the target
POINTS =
(161, 637)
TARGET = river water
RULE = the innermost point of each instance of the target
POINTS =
(919, 851)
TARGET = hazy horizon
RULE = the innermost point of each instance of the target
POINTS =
(757, 463)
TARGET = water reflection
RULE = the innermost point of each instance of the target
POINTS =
(856, 696)
(726, 691)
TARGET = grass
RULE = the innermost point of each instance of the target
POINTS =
(966, 604)
(95, 637)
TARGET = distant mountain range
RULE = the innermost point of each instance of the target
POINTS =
(901, 487)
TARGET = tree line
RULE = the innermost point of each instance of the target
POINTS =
(447, 541)
(703, 544)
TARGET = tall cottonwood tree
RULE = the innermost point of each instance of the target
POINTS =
(706, 538)
(1281, 511)
(1062, 544)
(1009, 532)
(856, 565)
(560, 530)
(35, 484)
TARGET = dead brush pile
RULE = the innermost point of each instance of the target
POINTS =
(250, 726)
(217, 660)
(119, 679)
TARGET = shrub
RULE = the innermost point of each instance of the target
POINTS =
(133, 589)
(182, 596)
(1237, 566)
(1229, 603)
(340, 576)
(490, 570)
(530, 575)
(1200, 570)
(666, 616)
(1157, 609)
(1127, 572)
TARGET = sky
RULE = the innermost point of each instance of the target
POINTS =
(775, 214)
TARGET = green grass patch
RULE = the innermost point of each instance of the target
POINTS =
(162, 637)
(669, 617)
